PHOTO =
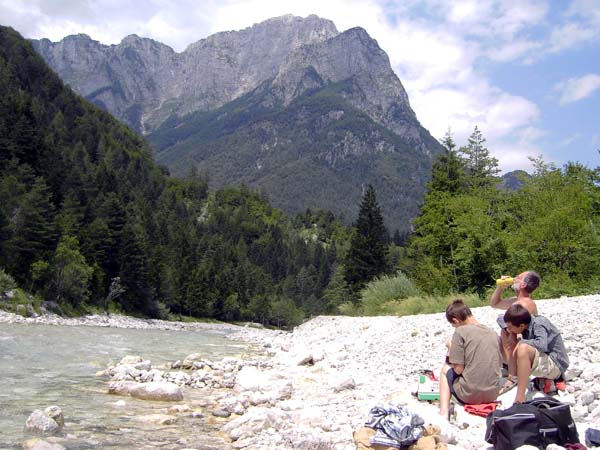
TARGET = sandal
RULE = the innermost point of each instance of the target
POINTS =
(510, 383)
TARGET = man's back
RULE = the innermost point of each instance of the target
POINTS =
(528, 303)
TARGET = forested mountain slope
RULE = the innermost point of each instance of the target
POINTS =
(83, 207)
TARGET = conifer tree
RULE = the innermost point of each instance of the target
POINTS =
(448, 171)
(33, 229)
(481, 166)
(366, 257)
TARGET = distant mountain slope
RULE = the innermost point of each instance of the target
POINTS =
(143, 82)
(318, 150)
(514, 180)
(291, 106)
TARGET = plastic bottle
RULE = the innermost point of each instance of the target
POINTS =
(504, 281)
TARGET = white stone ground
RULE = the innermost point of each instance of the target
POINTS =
(382, 356)
(317, 384)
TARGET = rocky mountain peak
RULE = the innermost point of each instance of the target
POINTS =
(144, 82)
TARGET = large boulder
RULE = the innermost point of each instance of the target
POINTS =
(121, 387)
(188, 362)
(252, 379)
(40, 422)
(131, 360)
(56, 414)
(255, 421)
(49, 307)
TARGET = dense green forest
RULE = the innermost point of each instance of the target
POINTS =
(87, 219)
(470, 232)
(90, 222)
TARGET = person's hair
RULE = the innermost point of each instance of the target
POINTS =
(457, 310)
(532, 279)
(517, 315)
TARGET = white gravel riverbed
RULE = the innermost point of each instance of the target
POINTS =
(316, 385)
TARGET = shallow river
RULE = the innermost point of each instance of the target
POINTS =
(43, 365)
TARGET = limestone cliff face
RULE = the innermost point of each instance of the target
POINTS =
(143, 82)
(354, 56)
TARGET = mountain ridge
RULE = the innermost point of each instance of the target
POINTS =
(250, 86)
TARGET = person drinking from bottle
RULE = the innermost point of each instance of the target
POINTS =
(523, 285)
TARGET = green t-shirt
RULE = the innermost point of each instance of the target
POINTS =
(476, 347)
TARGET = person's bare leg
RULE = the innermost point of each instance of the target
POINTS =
(444, 392)
(509, 342)
(524, 355)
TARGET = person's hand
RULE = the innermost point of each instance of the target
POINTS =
(503, 286)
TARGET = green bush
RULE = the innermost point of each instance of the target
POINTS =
(7, 283)
(429, 304)
(413, 305)
(559, 284)
(19, 298)
(386, 289)
(284, 313)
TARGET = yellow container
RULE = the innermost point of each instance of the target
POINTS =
(504, 281)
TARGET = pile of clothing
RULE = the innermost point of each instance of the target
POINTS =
(392, 427)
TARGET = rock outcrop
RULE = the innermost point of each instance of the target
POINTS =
(143, 82)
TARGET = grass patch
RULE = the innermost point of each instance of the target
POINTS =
(386, 289)
(411, 306)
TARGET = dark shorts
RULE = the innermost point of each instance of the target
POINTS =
(452, 376)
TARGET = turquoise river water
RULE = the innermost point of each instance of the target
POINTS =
(43, 365)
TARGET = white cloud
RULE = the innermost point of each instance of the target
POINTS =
(109, 21)
(585, 9)
(516, 16)
(504, 120)
(515, 154)
(513, 50)
(469, 11)
(570, 35)
(575, 89)
(569, 140)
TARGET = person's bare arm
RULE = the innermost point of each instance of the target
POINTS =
(498, 302)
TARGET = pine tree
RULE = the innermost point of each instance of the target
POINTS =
(448, 171)
(366, 257)
(481, 166)
(33, 228)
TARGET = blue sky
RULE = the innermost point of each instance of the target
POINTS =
(526, 72)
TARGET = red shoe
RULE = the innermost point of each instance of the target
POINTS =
(560, 384)
(548, 386)
(544, 385)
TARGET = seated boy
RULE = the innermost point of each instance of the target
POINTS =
(540, 352)
(472, 370)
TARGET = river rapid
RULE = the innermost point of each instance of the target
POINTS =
(43, 365)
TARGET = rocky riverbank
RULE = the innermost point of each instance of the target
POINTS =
(115, 321)
(314, 386)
